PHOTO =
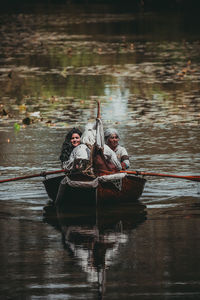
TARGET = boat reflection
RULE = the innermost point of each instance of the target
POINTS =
(93, 236)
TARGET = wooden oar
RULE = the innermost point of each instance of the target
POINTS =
(193, 178)
(42, 174)
(143, 173)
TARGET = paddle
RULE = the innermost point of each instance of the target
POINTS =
(143, 173)
(193, 178)
(98, 110)
(42, 174)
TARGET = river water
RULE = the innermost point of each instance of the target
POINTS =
(55, 63)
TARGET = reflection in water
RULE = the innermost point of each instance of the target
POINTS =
(93, 237)
(116, 108)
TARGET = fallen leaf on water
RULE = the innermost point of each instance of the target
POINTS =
(17, 126)
(4, 113)
(69, 51)
(99, 50)
(22, 108)
(26, 121)
(10, 74)
(64, 73)
(35, 114)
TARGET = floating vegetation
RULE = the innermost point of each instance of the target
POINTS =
(17, 127)
(53, 75)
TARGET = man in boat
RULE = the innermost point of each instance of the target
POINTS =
(92, 154)
(112, 140)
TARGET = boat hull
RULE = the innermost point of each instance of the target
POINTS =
(130, 190)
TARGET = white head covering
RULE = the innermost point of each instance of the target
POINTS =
(93, 133)
(109, 132)
(89, 134)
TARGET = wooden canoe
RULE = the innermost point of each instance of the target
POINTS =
(105, 193)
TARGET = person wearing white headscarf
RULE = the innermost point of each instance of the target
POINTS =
(112, 140)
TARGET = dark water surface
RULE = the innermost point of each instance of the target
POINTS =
(144, 68)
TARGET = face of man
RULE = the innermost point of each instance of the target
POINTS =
(113, 141)
(75, 140)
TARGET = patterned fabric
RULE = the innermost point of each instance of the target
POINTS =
(110, 155)
(115, 179)
(122, 155)
(81, 152)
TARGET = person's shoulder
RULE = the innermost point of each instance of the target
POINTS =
(80, 147)
(119, 147)
(107, 149)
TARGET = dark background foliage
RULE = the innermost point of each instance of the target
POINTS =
(118, 5)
